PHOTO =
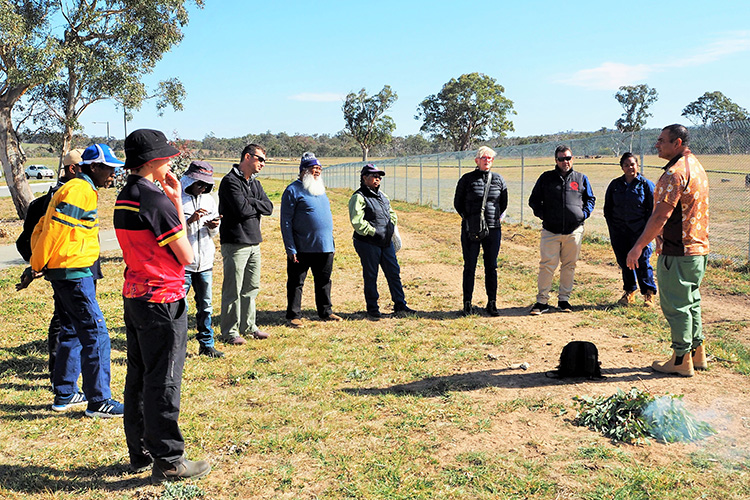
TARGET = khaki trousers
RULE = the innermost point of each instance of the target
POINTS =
(557, 249)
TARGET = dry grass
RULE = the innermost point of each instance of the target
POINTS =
(417, 407)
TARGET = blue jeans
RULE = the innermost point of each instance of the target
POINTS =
(201, 283)
(372, 257)
(643, 276)
(491, 247)
(83, 342)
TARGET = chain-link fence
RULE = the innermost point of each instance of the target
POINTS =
(724, 150)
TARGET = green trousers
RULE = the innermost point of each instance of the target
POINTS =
(679, 281)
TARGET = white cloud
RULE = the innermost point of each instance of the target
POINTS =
(613, 75)
(319, 97)
(609, 76)
(736, 42)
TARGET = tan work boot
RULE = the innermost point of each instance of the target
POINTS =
(648, 299)
(681, 365)
(699, 358)
(627, 298)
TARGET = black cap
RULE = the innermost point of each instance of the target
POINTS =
(370, 168)
(145, 145)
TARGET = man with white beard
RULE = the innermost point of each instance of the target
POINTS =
(307, 229)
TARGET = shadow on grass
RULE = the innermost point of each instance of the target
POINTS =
(278, 318)
(111, 258)
(27, 361)
(37, 479)
(501, 377)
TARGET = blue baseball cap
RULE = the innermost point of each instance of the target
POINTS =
(100, 153)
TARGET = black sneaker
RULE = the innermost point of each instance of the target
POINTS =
(538, 309)
(211, 352)
(374, 315)
(403, 310)
(184, 469)
(564, 306)
(108, 408)
(492, 308)
(468, 308)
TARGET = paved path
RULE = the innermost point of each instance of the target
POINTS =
(9, 256)
(36, 187)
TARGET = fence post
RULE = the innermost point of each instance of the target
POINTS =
(438, 182)
(421, 202)
(640, 146)
(406, 182)
(522, 183)
(395, 170)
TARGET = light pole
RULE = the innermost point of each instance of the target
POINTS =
(104, 123)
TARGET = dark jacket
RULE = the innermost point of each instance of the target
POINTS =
(627, 207)
(34, 213)
(241, 203)
(562, 201)
(378, 214)
(470, 192)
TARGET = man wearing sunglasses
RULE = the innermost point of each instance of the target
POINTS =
(242, 201)
(563, 199)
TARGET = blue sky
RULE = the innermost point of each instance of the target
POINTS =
(249, 67)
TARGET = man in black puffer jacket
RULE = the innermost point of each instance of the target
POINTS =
(374, 222)
(563, 199)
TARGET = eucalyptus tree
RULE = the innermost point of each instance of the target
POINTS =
(70, 54)
(366, 120)
(466, 110)
(714, 108)
(635, 100)
(27, 58)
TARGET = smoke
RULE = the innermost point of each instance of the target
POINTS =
(670, 421)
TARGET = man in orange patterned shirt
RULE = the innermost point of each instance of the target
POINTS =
(680, 225)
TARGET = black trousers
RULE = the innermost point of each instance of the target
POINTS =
(321, 265)
(490, 249)
(156, 342)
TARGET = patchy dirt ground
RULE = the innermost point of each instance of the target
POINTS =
(718, 395)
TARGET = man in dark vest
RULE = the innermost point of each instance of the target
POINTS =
(563, 199)
(374, 221)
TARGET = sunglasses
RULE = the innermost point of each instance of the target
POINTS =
(260, 158)
(564, 158)
(487, 158)
(376, 176)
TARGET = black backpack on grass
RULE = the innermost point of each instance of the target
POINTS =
(578, 359)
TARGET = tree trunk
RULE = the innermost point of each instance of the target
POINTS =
(13, 158)
(71, 116)
(365, 152)
(728, 135)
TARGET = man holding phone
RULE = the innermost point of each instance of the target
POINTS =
(202, 221)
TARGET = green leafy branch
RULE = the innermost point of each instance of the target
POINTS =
(636, 415)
